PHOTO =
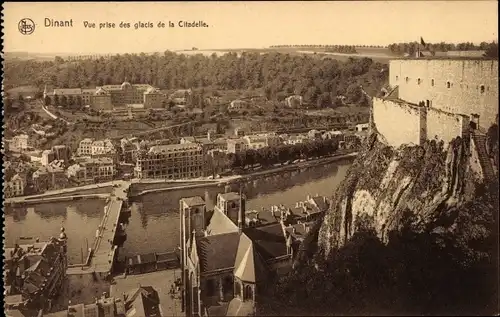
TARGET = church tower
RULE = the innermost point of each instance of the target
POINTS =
(192, 223)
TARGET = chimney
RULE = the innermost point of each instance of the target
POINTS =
(209, 136)
(297, 205)
(308, 197)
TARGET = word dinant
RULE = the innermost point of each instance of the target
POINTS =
(125, 25)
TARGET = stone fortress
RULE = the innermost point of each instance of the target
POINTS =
(437, 98)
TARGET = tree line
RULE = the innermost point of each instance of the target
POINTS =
(327, 48)
(412, 47)
(276, 73)
(270, 155)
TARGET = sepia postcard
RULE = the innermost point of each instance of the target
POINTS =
(275, 158)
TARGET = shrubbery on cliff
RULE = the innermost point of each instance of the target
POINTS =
(436, 258)
(450, 267)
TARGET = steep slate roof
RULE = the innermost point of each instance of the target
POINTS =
(218, 251)
(320, 202)
(249, 266)
(144, 301)
(230, 196)
(220, 224)
(194, 201)
(269, 240)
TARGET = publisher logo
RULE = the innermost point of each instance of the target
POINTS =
(26, 26)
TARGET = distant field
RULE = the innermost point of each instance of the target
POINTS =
(381, 55)
(23, 90)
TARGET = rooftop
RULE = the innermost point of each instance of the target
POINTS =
(220, 224)
(229, 196)
(173, 147)
(217, 252)
(193, 201)
(268, 240)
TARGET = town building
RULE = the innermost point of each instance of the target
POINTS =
(225, 264)
(180, 97)
(108, 97)
(92, 170)
(239, 132)
(236, 145)
(139, 302)
(294, 101)
(102, 147)
(362, 127)
(20, 143)
(35, 273)
(15, 186)
(47, 157)
(129, 148)
(50, 177)
(258, 141)
(237, 105)
(208, 143)
(85, 147)
(173, 161)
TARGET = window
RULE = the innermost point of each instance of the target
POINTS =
(419, 81)
(407, 79)
(432, 82)
(448, 84)
(482, 89)
(397, 78)
(210, 287)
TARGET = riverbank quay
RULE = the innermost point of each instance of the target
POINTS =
(139, 187)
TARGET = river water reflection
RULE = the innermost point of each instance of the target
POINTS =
(154, 222)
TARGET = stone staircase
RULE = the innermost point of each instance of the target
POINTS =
(484, 159)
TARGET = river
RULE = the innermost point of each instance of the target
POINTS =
(154, 221)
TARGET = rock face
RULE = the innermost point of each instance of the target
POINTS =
(384, 184)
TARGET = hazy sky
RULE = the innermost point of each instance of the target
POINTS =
(247, 24)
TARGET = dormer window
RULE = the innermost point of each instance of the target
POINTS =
(448, 84)
(407, 79)
(432, 82)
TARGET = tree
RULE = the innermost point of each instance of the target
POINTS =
(64, 101)
(79, 102)
(492, 50)
(71, 101)
(47, 101)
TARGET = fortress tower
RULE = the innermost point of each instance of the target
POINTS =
(437, 98)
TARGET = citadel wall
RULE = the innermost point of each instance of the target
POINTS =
(446, 126)
(399, 122)
(452, 85)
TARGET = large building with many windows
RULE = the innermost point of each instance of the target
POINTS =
(173, 161)
(107, 97)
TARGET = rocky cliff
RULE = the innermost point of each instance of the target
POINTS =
(385, 184)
